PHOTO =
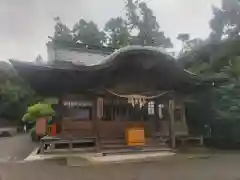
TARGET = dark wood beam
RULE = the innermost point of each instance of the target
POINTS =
(172, 120)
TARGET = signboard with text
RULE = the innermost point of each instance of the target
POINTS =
(77, 103)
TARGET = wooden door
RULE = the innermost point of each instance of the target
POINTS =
(120, 116)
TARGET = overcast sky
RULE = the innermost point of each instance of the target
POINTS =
(26, 24)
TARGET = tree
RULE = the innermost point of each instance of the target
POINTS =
(187, 56)
(228, 106)
(145, 23)
(220, 60)
(84, 32)
(189, 44)
(15, 95)
(183, 37)
(88, 33)
(218, 56)
(117, 34)
(217, 60)
(226, 21)
(38, 110)
(216, 24)
(62, 32)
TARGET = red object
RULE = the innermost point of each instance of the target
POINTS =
(53, 130)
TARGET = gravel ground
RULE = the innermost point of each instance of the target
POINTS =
(224, 166)
(15, 148)
(217, 167)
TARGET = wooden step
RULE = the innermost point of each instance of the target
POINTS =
(123, 141)
(114, 146)
(113, 141)
(136, 150)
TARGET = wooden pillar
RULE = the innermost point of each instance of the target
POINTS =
(41, 146)
(60, 114)
(183, 110)
(96, 120)
(172, 120)
(112, 109)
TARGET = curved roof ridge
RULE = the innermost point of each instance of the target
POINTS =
(108, 60)
(135, 48)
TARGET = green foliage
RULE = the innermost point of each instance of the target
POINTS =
(220, 60)
(15, 95)
(117, 34)
(226, 21)
(62, 32)
(227, 102)
(189, 45)
(84, 32)
(88, 33)
(146, 24)
(200, 68)
(217, 24)
(28, 117)
(218, 56)
(38, 110)
(199, 113)
(217, 59)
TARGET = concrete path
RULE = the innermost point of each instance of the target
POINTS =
(118, 158)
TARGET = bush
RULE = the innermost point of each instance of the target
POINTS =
(38, 110)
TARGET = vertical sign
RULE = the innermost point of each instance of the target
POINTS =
(99, 107)
(160, 110)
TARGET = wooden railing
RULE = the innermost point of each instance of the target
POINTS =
(110, 129)
(77, 128)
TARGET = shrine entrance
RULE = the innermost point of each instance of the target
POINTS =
(123, 112)
(138, 87)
